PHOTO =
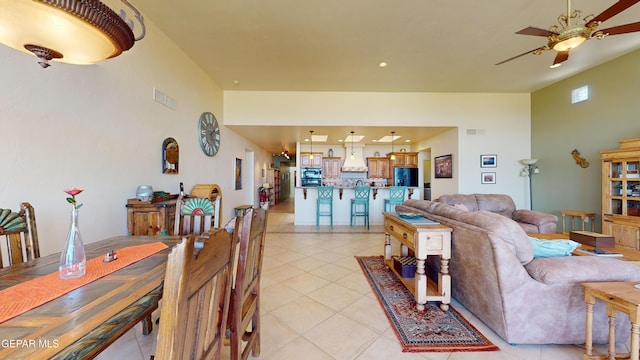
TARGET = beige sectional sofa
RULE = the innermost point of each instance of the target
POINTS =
(531, 221)
(525, 300)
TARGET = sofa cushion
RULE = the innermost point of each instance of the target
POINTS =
(424, 205)
(468, 200)
(496, 203)
(508, 230)
(572, 270)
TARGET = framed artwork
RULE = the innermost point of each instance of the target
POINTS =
(488, 177)
(488, 161)
(443, 166)
(170, 156)
(238, 173)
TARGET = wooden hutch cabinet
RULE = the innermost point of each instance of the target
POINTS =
(621, 193)
(331, 167)
(305, 161)
(151, 218)
(378, 167)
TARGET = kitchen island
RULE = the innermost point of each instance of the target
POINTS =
(306, 198)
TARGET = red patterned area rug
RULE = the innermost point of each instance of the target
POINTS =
(420, 331)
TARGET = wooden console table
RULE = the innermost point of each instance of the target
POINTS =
(151, 218)
(424, 239)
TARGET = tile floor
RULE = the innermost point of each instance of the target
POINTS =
(317, 304)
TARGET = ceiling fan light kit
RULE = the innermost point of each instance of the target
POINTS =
(69, 31)
(570, 36)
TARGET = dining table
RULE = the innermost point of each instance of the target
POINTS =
(83, 322)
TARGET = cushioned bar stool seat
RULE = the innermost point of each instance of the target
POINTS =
(324, 205)
(396, 197)
(360, 204)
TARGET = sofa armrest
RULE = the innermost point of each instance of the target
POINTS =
(533, 217)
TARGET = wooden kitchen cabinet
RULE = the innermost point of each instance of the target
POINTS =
(151, 218)
(378, 167)
(621, 193)
(404, 159)
(305, 161)
(331, 167)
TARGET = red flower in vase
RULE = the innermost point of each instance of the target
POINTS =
(72, 200)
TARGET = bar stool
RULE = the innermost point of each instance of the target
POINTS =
(325, 197)
(360, 204)
(396, 197)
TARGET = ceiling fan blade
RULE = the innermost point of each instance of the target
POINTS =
(537, 31)
(562, 56)
(621, 29)
(523, 54)
(612, 11)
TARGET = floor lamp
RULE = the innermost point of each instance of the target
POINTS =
(529, 169)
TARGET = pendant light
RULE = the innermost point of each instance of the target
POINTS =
(353, 153)
(393, 156)
(69, 31)
(311, 139)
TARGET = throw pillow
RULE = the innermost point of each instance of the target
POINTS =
(552, 248)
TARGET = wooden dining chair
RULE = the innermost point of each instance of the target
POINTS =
(244, 318)
(195, 298)
(20, 233)
(196, 215)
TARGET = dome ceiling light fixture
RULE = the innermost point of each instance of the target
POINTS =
(69, 31)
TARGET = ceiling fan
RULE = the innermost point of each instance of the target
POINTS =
(569, 36)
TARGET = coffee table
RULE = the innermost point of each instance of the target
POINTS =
(424, 239)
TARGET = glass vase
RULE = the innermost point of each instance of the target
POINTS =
(73, 259)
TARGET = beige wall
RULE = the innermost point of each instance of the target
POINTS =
(502, 122)
(98, 128)
(558, 127)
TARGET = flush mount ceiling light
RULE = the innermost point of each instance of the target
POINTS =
(69, 31)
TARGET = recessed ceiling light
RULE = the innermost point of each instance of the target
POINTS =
(408, 140)
(383, 64)
(236, 82)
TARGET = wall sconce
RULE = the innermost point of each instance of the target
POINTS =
(69, 31)
(529, 170)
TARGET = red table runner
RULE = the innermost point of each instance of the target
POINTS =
(23, 297)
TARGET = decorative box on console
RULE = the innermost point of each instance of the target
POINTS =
(593, 239)
(405, 265)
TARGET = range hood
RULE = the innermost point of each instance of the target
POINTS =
(357, 163)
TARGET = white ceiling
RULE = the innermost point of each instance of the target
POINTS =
(336, 45)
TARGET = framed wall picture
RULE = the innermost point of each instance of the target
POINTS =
(488, 161)
(488, 178)
(238, 174)
(443, 166)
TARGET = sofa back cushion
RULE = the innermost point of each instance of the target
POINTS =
(469, 201)
(508, 230)
(495, 203)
